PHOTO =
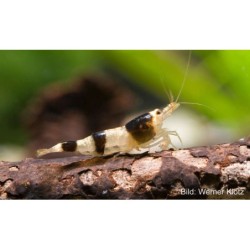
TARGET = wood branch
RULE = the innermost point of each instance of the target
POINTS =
(216, 172)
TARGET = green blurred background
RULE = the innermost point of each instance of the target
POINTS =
(217, 79)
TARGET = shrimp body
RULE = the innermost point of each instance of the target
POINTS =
(144, 131)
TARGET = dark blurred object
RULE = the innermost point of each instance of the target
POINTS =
(62, 113)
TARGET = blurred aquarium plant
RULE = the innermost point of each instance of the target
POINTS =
(217, 79)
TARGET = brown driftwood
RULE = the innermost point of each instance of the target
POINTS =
(217, 172)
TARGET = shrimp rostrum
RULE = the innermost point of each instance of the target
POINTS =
(143, 132)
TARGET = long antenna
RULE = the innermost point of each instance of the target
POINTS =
(196, 103)
(185, 75)
(167, 92)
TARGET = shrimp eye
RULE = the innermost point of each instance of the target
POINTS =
(158, 112)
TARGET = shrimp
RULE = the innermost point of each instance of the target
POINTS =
(143, 132)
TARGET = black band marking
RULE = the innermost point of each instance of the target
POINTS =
(69, 146)
(141, 128)
(100, 141)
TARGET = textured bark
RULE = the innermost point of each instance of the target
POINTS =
(216, 172)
